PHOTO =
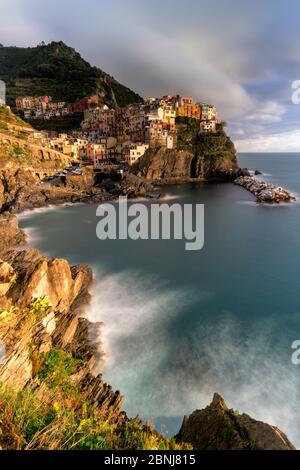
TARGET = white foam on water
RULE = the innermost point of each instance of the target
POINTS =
(32, 235)
(163, 373)
(28, 213)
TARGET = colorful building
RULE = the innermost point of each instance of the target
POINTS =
(134, 153)
(186, 107)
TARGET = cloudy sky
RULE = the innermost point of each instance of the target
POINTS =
(241, 55)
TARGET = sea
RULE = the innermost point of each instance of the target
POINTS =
(178, 325)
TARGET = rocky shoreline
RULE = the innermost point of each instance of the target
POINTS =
(24, 189)
(264, 192)
(27, 274)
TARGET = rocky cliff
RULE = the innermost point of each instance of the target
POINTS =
(27, 331)
(198, 157)
(218, 428)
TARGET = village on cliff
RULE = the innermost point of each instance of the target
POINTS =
(121, 134)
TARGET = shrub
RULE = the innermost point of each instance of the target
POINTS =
(56, 369)
(39, 305)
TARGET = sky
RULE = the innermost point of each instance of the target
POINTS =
(243, 56)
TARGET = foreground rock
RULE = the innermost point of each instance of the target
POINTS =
(27, 275)
(218, 428)
(264, 192)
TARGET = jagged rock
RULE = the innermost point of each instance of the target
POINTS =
(43, 277)
(257, 172)
(25, 275)
(127, 184)
(218, 428)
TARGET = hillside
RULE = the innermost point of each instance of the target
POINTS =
(59, 71)
(18, 149)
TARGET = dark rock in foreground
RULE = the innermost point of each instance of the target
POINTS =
(218, 428)
(264, 192)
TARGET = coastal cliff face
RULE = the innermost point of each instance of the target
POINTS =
(198, 157)
(29, 328)
(218, 428)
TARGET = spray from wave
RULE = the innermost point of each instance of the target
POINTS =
(166, 366)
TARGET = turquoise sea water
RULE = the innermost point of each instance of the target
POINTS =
(180, 325)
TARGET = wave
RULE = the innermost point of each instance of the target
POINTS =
(28, 213)
(32, 235)
(166, 368)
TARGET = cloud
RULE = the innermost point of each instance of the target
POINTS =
(276, 142)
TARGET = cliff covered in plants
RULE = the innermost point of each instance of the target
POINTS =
(198, 157)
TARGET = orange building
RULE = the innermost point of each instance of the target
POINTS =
(186, 107)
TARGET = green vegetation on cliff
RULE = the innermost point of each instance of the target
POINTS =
(59, 71)
(208, 145)
(60, 422)
(54, 414)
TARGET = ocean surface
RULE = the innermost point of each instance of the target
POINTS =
(179, 325)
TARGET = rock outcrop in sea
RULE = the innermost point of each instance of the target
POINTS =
(198, 157)
(264, 192)
(218, 428)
